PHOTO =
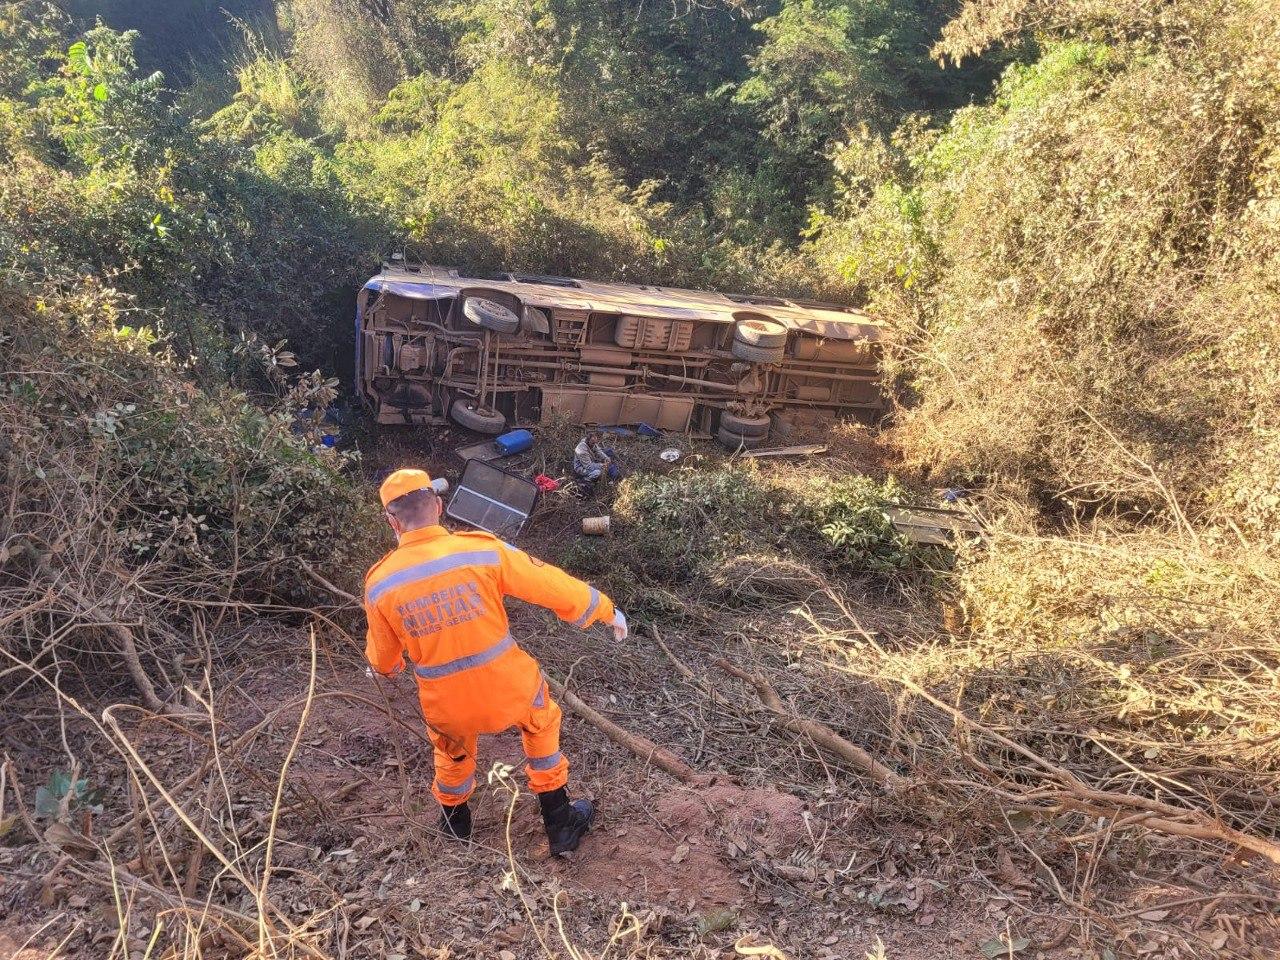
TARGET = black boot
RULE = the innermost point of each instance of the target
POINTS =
(455, 822)
(567, 823)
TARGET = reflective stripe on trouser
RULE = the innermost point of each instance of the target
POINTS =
(545, 766)
(455, 757)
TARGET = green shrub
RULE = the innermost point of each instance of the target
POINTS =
(1081, 273)
(703, 529)
(206, 484)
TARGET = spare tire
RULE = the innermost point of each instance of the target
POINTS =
(747, 351)
(491, 315)
(747, 426)
(760, 332)
(468, 413)
(738, 441)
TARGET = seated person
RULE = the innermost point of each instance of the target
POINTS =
(592, 460)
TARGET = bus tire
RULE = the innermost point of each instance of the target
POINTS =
(491, 315)
(738, 441)
(468, 413)
(754, 354)
(759, 332)
(746, 426)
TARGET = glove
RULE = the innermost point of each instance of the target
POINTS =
(619, 625)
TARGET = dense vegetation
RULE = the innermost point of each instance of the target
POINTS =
(1079, 258)
(1069, 214)
(179, 202)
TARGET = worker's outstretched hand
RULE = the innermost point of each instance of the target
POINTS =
(619, 625)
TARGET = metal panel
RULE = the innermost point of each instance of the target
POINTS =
(598, 407)
(665, 413)
(641, 408)
(568, 403)
(932, 524)
(676, 414)
(492, 499)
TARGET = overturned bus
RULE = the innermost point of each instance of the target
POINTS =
(499, 350)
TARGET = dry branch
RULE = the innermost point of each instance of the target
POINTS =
(1077, 795)
(263, 902)
(237, 925)
(331, 587)
(822, 735)
(641, 746)
(133, 663)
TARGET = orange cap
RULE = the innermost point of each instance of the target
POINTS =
(402, 482)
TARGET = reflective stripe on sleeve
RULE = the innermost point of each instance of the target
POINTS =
(423, 571)
(465, 663)
(583, 620)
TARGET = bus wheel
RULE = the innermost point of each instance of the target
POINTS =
(754, 354)
(491, 315)
(759, 332)
(738, 441)
(470, 414)
(747, 426)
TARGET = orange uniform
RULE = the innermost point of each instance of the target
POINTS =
(438, 597)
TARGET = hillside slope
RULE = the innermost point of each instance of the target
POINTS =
(1059, 740)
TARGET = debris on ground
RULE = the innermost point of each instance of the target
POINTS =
(596, 526)
(491, 499)
(934, 525)
(801, 450)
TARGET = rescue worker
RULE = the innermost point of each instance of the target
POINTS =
(438, 598)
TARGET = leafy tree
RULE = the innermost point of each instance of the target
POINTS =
(98, 106)
(828, 67)
(1079, 269)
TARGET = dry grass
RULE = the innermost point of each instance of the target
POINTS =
(190, 869)
(1068, 692)
(1118, 690)
(151, 865)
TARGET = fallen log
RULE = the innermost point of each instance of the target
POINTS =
(642, 747)
(822, 735)
(803, 450)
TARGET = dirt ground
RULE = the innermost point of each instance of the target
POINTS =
(704, 867)
(785, 848)
(810, 861)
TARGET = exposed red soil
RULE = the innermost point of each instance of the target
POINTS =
(736, 858)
